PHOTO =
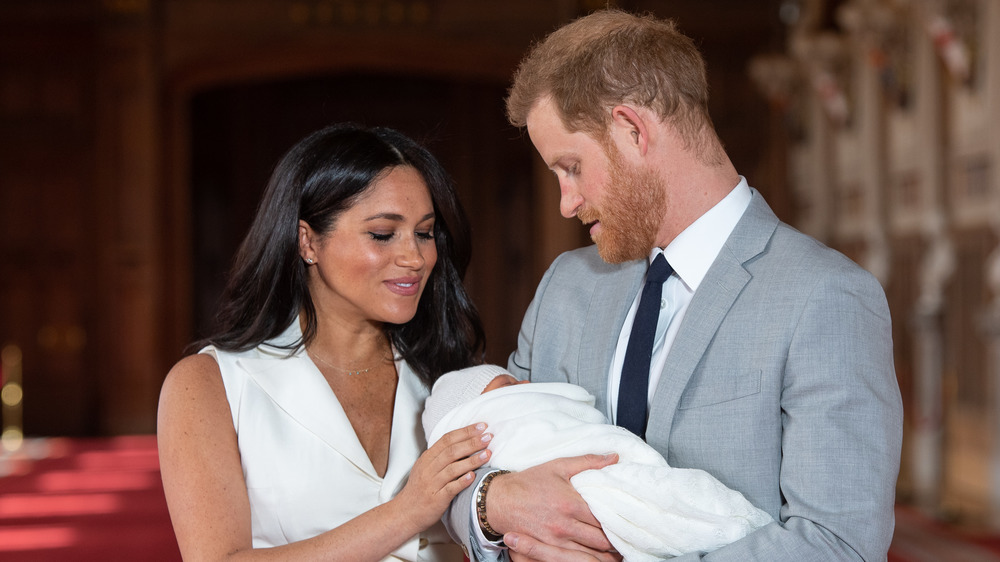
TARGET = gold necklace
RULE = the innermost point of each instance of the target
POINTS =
(349, 372)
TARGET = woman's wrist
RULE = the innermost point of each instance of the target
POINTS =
(410, 516)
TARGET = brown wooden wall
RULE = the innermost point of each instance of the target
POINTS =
(135, 136)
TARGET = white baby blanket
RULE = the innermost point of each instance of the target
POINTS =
(647, 509)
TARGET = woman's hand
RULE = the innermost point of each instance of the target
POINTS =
(443, 471)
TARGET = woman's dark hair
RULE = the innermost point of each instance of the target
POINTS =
(315, 181)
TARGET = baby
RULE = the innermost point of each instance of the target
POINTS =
(648, 509)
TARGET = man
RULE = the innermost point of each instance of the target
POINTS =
(771, 360)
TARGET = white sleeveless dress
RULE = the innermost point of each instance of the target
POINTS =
(305, 470)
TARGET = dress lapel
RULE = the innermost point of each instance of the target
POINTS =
(299, 389)
(407, 439)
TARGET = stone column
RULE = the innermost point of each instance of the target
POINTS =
(927, 420)
(928, 335)
(991, 331)
(990, 318)
(918, 163)
(866, 22)
(813, 161)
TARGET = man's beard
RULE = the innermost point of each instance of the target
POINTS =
(634, 205)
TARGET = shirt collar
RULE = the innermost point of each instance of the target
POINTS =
(694, 250)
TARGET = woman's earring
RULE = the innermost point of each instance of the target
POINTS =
(309, 261)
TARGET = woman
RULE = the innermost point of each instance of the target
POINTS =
(297, 425)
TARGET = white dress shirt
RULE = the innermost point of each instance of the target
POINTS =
(690, 254)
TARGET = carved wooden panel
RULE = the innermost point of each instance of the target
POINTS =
(47, 208)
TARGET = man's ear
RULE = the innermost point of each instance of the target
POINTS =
(630, 130)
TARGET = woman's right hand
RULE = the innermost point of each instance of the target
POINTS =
(442, 471)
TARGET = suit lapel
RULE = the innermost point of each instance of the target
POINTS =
(708, 308)
(605, 317)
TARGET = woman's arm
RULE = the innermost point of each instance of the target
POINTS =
(207, 496)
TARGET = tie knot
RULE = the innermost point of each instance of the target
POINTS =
(659, 270)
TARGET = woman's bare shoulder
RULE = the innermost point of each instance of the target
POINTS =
(198, 371)
(194, 384)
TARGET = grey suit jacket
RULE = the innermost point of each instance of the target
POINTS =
(780, 382)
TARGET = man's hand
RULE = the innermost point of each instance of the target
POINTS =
(526, 549)
(543, 510)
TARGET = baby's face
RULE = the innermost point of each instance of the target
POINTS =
(501, 381)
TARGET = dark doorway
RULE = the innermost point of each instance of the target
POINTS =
(239, 132)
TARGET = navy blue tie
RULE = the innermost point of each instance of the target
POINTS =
(635, 370)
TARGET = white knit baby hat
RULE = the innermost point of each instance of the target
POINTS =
(454, 389)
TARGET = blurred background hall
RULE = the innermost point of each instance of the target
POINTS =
(136, 137)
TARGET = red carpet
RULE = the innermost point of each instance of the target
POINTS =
(101, 499)
(920, 539)
(82, 500)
